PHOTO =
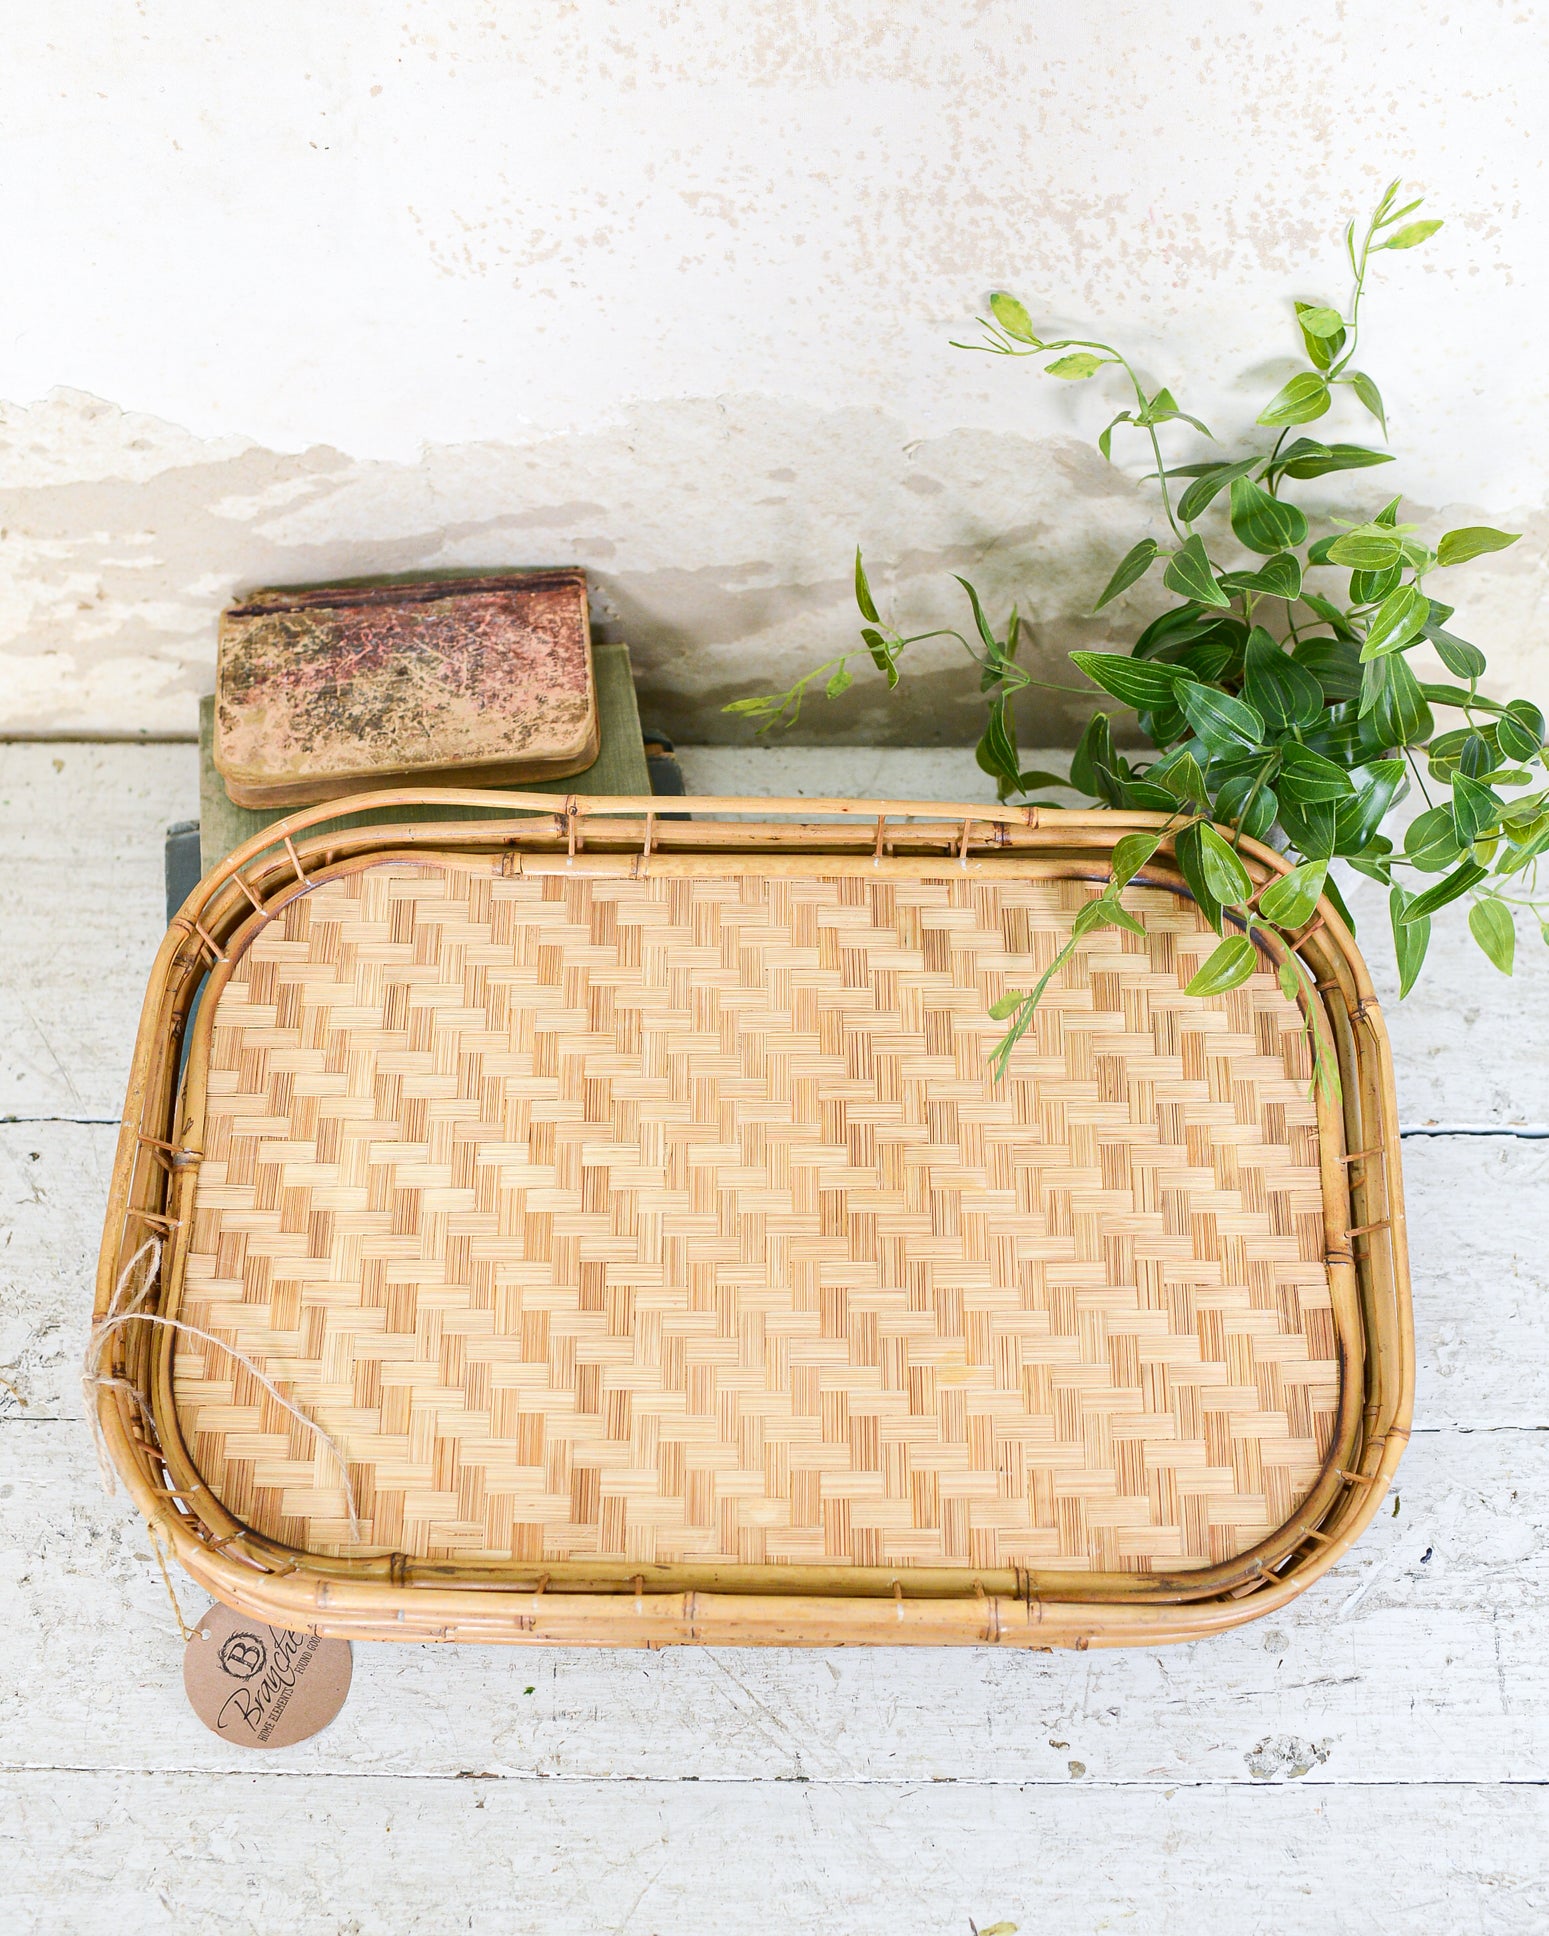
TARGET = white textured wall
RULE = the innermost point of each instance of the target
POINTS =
(294, 291)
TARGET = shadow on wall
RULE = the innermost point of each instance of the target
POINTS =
(717, 537)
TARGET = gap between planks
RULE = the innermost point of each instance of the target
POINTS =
(1161, 1785)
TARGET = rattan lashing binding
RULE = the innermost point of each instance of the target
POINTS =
(798, 1412)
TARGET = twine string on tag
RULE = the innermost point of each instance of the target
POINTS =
(183, 1627)
(95, 1379)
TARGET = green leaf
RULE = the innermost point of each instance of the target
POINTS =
(1372, 587)
(882, 656)
(1309, 827)
(1222, 722)
(1181, 776)
(1358, 818)
(1398, 621)
(1472, 541)
(1163, 408)
(1321, 344)
(1212, 659)
(1131, 854)
(1144, 796)
(1186, 847)
(1321, 459)
(1327, 609)
(842, 681)
(863, 596)
(1410, 941)
(1225, 875)
(1306, 777)
(1034, 779)
(1228, 966)
(1341, 905)
(1462, 660)
(1141, 683)
(1457, 883)
(1369, 395)
(1463, 750)
(1289, 901)
(1391, 694)
(1247, 804)
(1319, 321)
(1305, 397)
(1092, 768)
(1107, 913)
(1135, 563)
(1452, 696)
(1335, 664)
(1387, 216)
(983, 624)
(1105, 435)
(1076, 368)
(1012, 317)
(1008, 1005)
(1520, 730)
(1491, 925)
(996, 752)
(1475, 808)
(1188, 573)
(1263, 523)
(1364, 550)
(1410, 236)
(1285, 693)
(1277, 577)
(1431, 841)
(1166, 636)
(1210, 481)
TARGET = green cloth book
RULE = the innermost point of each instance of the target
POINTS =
(619, 768)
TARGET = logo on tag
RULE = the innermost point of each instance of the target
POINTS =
(261, 1686)
(243, 1655)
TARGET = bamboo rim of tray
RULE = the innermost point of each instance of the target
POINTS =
(624, 1602)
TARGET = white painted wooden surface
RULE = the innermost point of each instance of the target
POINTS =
(1374, 1758)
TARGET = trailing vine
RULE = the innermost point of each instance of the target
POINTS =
(1277, 695)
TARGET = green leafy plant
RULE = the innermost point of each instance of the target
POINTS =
(1277, 693)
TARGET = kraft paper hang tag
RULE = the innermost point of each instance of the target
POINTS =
(261, 1686)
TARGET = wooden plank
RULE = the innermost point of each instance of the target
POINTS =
(1476, 1243)
(103, 1856)
(81, 835)
(863, 1790)
(1419, 1659)
(80, 876)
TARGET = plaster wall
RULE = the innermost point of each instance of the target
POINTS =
(668, 291)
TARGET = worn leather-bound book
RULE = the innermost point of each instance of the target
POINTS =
(471, 681)
(620, 768)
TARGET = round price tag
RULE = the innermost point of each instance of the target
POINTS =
(262, 1686)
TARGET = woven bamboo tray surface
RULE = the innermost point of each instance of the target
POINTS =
(625, 1205)
(669, 1220)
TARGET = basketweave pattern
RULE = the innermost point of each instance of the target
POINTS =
(677, 1219)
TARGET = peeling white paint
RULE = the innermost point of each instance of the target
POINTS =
(669, 292)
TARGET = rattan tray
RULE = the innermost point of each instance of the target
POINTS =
(617, 1216)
